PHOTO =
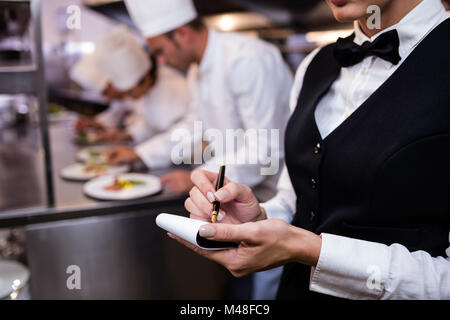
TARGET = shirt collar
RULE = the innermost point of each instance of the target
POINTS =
(412, 28)
(208, 56)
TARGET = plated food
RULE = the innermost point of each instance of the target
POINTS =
(87, 138)
(122, 184)
(126, 186)
(90, 170)
(93, 154)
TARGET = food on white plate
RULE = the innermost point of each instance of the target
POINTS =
(86, 138)
(95, 168)
(121, 184)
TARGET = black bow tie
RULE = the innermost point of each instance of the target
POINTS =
(385, 47)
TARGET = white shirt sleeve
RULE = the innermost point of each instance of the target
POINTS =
(110, 118)
(137, 126)
(260, 83)
(174, 114)
(156, 152)
(356, 269)
(283, 205)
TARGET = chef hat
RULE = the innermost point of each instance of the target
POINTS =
(87, 74)
(122, 59)
(156, 17)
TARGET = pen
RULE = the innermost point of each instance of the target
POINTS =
(219, 185)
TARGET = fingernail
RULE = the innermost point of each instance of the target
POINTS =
(207, 231)
(221, 194)
(210, 197)
(221, 215)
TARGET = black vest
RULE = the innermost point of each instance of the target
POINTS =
(384, 174)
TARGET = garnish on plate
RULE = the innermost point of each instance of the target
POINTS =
(121, 184)
(96, 168)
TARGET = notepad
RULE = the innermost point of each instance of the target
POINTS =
(188, 229)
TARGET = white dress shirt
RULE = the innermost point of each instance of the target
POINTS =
(351, 268)
(241, 83)
(156, 112)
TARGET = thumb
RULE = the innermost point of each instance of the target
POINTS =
(228, 232)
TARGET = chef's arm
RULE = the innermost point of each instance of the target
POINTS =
(261, 95)
(139, 130)
(161, 150)
(111, 117)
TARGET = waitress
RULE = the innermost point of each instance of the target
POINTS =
(363, 209)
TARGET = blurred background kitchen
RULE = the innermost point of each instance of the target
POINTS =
(47, 222)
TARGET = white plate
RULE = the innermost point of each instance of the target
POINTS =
(12, 274)
(96, 188)
(76, 172)
(84, 155)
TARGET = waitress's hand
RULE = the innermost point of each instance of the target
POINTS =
(264, 245)
(237, 202)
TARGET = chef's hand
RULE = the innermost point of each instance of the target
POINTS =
(122, 155)
(264, 245)
(237, 201)
(178, 181)
(83, 124)
(113, 136)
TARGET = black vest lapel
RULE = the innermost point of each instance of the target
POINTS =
(303, 137)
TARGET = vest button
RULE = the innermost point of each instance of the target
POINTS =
(317, 148)
(313, 183)
(312, 216)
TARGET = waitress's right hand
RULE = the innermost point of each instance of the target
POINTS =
(238, 204)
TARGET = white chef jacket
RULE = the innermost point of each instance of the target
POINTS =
(351, 268)
(241, 83)
(166, 103)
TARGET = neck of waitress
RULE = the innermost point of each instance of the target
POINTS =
(365, 193)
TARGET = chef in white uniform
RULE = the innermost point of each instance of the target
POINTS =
(122, 70)
(237, 82)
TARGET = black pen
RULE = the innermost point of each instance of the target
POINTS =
(219, 185)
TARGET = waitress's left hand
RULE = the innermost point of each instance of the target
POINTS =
(264, 245)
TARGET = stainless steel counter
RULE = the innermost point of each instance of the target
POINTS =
(120, 251)
(22, 183)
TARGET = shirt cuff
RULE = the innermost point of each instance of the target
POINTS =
(350, 268)
(275, 210)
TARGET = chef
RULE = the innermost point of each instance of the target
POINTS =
(147, 99)
(236, 81)
(363, 207)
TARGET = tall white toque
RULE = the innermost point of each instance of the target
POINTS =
(87, 74)
(122, 58)
(156, 17)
